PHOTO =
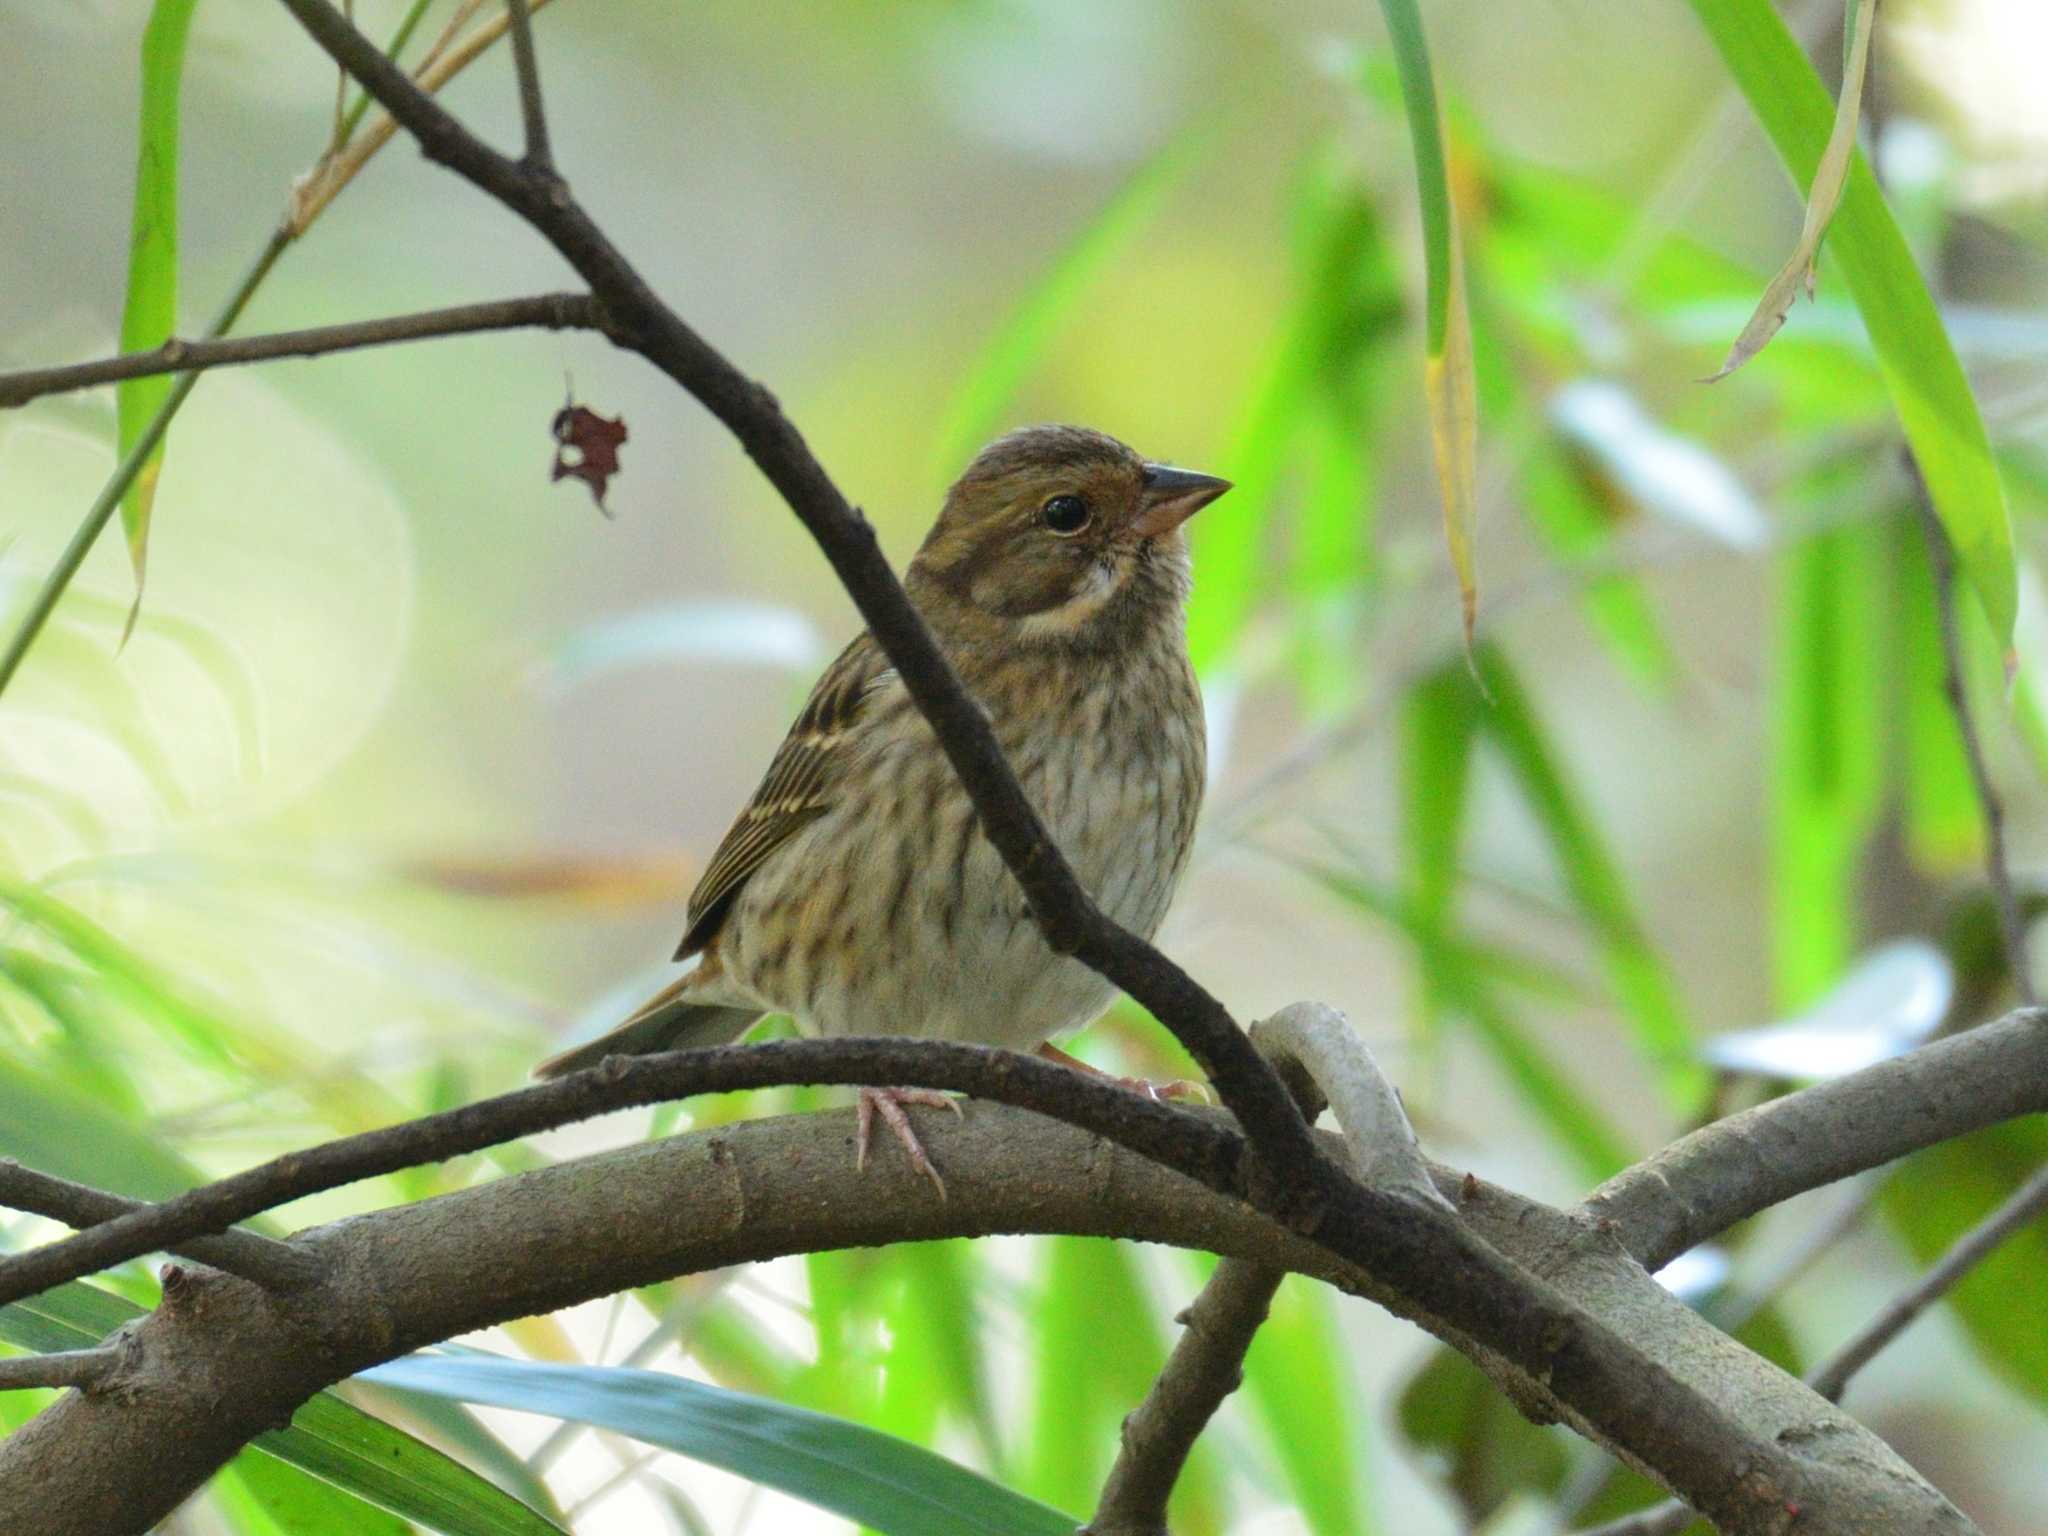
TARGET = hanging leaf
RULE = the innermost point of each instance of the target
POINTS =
(1641, 980)
(151, 313)
(1928, 388)
(896, 1487)
(1447, 360)
(1821, 200)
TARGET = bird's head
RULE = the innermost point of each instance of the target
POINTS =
(1062, 535)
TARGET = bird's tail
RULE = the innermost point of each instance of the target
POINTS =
(668, 1021)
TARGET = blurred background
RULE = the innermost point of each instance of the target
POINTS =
(405, 775)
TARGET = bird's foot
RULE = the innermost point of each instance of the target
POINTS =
(1179, 1089)
(888, 1103)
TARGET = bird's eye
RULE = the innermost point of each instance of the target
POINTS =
(1065, 514)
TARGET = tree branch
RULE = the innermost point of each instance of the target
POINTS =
(1206, 1366)
(264, 1260)
(1321, 1059)
(222, 1360)
(1831, 1378)
(86, 1369)
(540, 157)
(554, 311)
(1704, 1183)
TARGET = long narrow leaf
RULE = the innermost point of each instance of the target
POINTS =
(1447, 362)
(1640, 978)
(151, 312)
(1927, 385)
(894, 1486)
(361, 1455)
(1022, 342)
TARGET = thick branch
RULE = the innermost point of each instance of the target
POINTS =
(555, 311)
(1706, 1182)
(248, 1254)
(222, 1360)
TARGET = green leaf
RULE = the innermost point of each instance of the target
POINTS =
(360, 1455)
(1641, 980)
(268, 1497)
(151, 313)
(1294, 1373)
(1827, 761)
(1938, 1195)
(1022, 342)
(1448, 381)
(1926, 381)
(1348, 303)
(1479, 1445)
(937, 1368)
(883, 1482)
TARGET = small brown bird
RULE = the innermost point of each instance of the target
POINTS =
(856, 891)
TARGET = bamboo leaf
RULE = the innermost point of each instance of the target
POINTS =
(1022, 342)
(1641, 980)
(1294, 1375)
(1928, 388)
(896, 1487)
(151, 312)
(1447, 362)
(376, 1463)
(1821, 201)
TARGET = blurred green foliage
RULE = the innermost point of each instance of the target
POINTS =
(309, 855)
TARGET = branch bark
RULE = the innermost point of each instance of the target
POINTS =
(554, 311)
(1706, 1182)
(222, 1359)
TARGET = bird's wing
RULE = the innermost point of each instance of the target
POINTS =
(800, 786)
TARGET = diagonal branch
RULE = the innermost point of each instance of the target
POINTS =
(1323, 1061)
(1704, 1183)
(540, 157)
(264, 1260)
(1071, 922)
(553, 311)
(1831, 1378)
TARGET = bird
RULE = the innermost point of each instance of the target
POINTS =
(855, 891)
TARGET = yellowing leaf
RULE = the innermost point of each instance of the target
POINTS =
(1454, 431)
(1821, 201)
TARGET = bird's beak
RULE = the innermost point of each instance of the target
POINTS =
(1172, 496)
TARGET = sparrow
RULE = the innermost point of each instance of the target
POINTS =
(856, 893)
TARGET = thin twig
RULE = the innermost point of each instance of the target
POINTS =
(1941, 555)
(1201, 1146)
(554, 311)
(1323, 1062)
(1206, 1366)
(271, 1264)
(81, 1368)
(1831, 1377)
(540, 157)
